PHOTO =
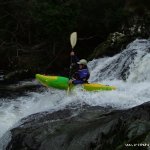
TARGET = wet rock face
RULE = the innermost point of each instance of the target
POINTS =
(135, 25)
(13, 89)
(18, 75)
(88, 130)
(114, 43)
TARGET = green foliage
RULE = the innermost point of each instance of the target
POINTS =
(26, 23)
(31, 21)
(52, 19)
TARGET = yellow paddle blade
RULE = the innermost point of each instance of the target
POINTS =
(73, 39)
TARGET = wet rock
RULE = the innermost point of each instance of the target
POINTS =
(19, 89)
(18, 75)
(114, 43)
(137, 26)
(86, 129)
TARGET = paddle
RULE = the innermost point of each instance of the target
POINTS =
(73, 41)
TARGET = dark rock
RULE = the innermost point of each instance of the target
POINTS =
(13, 91)
(88, 129)
(18, 75)
(137, 23)
(114, 43)
(21, 88)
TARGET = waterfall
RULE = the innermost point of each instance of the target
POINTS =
(132, 64)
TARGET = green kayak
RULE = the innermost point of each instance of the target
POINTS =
(59, 82)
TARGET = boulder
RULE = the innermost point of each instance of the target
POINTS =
(89, 129)
(114, 43)
(18, 75)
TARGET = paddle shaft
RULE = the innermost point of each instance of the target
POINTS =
(73, 41)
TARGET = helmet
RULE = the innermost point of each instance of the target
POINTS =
(82, 62)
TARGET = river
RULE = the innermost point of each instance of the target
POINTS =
(129, 71)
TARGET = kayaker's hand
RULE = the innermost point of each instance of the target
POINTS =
(72, 53)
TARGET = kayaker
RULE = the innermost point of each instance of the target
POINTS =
(81, 75)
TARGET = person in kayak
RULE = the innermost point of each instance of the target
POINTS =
(82, 74)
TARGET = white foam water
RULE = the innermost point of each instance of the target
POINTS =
(135, 90)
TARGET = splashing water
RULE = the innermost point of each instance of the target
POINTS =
(128, 71)
(130, 64)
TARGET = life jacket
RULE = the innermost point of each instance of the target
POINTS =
(81, 76)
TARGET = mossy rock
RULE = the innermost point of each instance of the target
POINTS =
(114, 43)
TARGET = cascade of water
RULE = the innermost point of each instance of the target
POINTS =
(131, 64)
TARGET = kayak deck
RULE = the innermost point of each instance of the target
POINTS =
(60, 82)
(98, 87)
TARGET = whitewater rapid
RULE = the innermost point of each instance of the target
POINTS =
(132, 63)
